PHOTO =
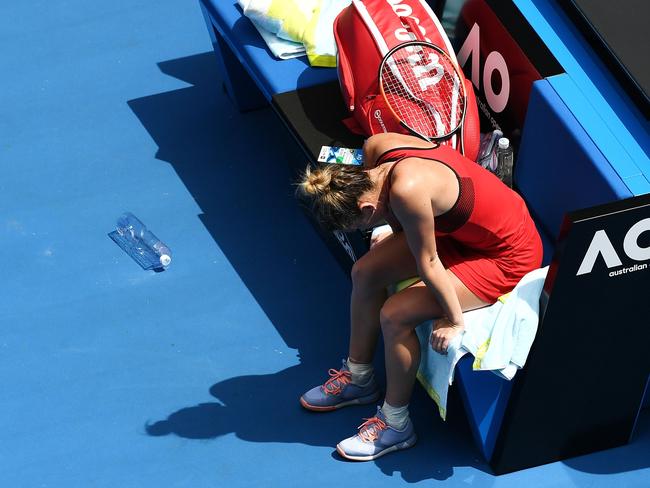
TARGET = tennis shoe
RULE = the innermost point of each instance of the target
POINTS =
(339, 391)
(376, 438)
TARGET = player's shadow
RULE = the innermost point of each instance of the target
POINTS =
(235, 168)
(264, 408)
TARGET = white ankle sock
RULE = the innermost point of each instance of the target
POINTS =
(361, 373)
(396, 417)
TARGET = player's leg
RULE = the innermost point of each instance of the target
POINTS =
(354, 383)
(399, 316)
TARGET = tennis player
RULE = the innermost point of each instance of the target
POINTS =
(467, 236)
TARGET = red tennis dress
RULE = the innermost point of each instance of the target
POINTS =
(488, 238)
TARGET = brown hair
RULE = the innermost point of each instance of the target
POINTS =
(331, 193)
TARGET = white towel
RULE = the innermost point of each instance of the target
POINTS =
(281, 48)
(436, 371)
(499, 336)
(266, 26)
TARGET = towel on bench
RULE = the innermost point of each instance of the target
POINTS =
(499, 337)
(309, 22)
(281, 48)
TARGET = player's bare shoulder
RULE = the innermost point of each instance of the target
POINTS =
(411, 174)
(379, 144)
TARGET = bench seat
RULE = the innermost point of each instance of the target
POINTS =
(250, 73)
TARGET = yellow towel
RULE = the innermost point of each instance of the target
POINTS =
(309, 22)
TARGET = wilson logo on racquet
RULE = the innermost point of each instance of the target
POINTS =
(422, 67)
(423, 90)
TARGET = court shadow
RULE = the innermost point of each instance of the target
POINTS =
(238, 409)
(234, 165)
(441, 445)
(631, 457)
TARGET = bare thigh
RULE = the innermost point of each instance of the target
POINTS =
(391, 261)
(388, 262)
(416, 303)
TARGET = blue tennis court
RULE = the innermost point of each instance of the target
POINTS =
(117, 377)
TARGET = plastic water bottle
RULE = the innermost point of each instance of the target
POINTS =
(130, 227)
(505, 161)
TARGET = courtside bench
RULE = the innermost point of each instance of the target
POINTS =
(564, 163)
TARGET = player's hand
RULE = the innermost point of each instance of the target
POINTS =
(442, 333)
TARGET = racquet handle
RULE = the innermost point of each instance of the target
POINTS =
(413, 26)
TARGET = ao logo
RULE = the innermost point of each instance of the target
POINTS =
(601, 245)
(493, 62)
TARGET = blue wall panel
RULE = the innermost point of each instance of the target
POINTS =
(559, 168)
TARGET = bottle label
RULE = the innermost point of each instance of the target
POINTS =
(340, 155)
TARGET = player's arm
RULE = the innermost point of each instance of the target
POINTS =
(411, 203)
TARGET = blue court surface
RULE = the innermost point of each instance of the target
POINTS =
(112, 376)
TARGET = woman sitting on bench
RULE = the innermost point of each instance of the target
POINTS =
(467, 236)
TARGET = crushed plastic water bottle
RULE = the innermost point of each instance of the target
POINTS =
(140, 243)
(505, 161)
(487, 153)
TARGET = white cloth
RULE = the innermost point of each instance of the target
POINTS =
(307, 22)
(281, 48)
(499, 337)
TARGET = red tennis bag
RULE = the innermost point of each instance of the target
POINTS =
(365, 31)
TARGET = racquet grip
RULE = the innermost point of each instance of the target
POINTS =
(413, 27)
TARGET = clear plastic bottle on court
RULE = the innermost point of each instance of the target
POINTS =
(129, 226)
(505, 161)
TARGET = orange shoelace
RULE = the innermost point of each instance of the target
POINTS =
(369, 430)
(338, 379)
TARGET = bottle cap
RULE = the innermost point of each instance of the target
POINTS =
(504, 143)
(165, 259)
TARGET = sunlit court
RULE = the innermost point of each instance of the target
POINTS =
(178, 310)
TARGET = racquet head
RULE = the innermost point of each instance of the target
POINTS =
(421, 85)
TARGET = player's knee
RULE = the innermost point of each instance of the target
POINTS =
(365, 275)
(393, 319)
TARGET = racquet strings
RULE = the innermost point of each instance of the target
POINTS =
(422, 87)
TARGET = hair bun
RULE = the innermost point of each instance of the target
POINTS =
(317, 182)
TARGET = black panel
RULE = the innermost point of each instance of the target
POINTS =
(314, 116)
(531, 44)
(618, 32)
(576, 395)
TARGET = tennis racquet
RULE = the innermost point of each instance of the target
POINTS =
(421, 86)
